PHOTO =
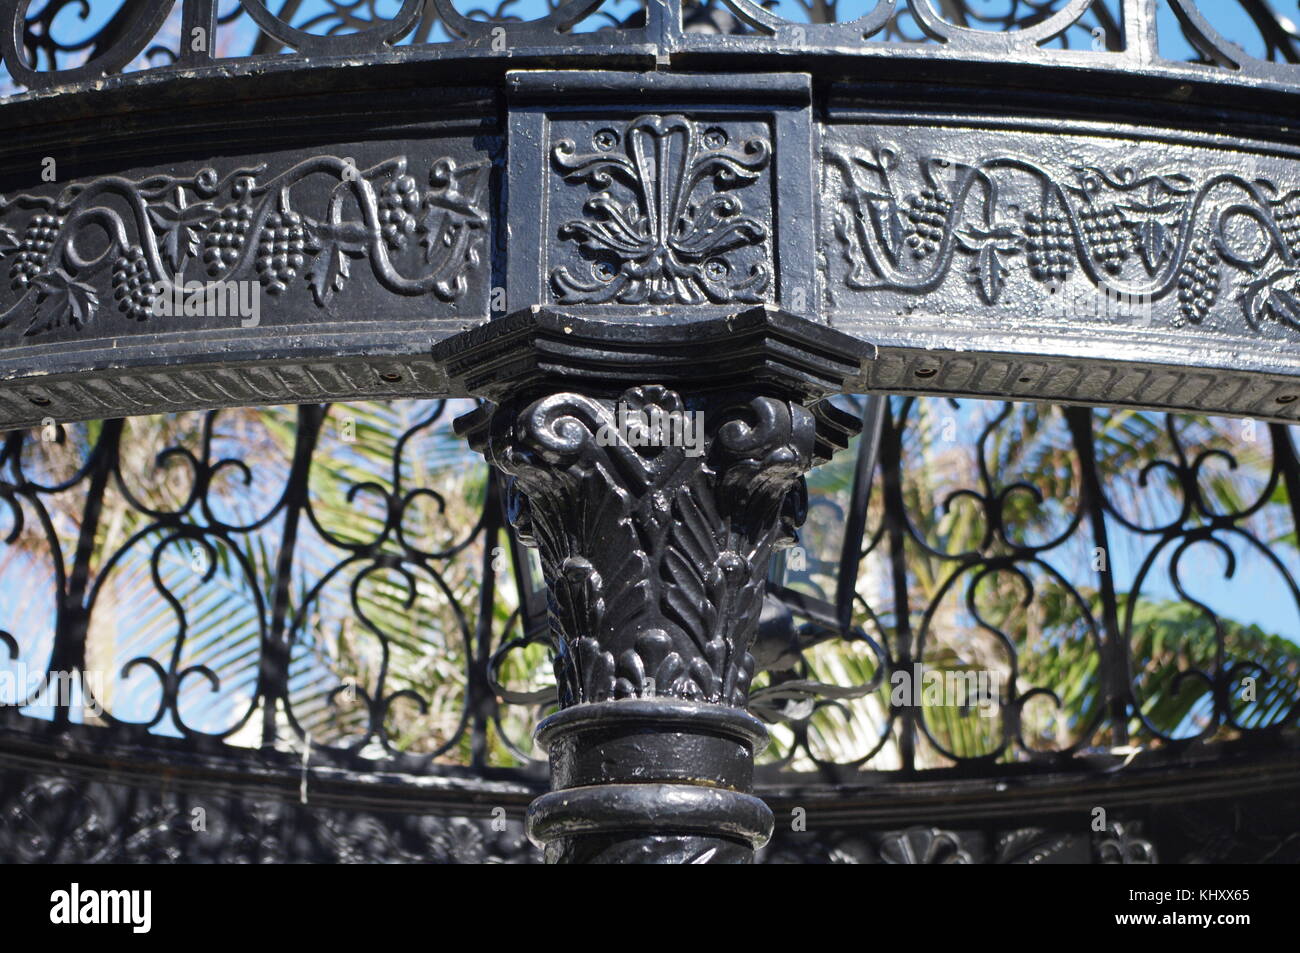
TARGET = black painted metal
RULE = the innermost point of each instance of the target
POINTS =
(654, 779)
(655, 540)
(1117, 228)
(1064, 33)
(695, 209)
(66, 785)
(71, 796)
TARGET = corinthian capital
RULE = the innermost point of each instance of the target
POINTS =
(656, 468)
(655, 516)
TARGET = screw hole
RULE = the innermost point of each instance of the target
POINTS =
(391, 376)
(1026, 380)
(925, 372)
(1287, 399)
(40, 401)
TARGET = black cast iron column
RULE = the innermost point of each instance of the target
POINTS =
(656, 468)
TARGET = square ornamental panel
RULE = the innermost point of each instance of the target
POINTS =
(650, 194)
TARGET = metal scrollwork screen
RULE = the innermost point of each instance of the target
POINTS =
(1038, 583)
(267, 577)
(1074, 582)
(61, 43)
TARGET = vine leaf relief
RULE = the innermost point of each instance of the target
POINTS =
(667, 217)
(238, 227)
(1124, 233)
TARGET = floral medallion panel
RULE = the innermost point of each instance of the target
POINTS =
(651, 196)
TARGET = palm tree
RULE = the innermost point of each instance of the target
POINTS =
(390, 540)
(1001, 579)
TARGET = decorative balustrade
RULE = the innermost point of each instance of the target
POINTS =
(164, 37)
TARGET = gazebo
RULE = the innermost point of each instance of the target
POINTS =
(649, 431)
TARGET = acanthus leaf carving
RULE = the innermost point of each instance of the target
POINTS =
(668, 215)
(656, 559)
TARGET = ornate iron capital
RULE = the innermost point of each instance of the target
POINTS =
(655, 516)
(655, 508)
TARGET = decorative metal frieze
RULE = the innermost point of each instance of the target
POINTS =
(187, 251)
(1076, 233)
(1057, 844)
(668, 223)
(1137, 227)
(55, 819)
(51, 815)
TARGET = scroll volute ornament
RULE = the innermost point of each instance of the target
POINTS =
(655, 466)
(655, 551)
